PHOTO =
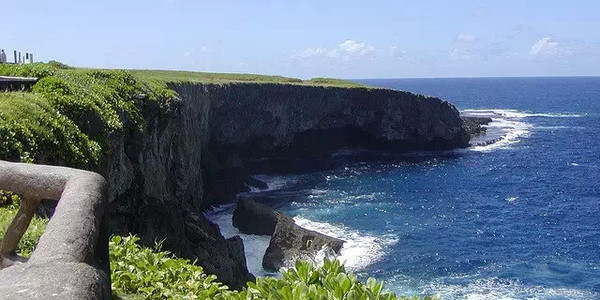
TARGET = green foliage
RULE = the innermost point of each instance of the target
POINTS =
(306, 281)
(150, 273)
(72, 112)
(59, 65)
(8, 198)
(223, 78)
(38, 70)
(146, 273)
(34, 231)
(30, 127)
(334, 82)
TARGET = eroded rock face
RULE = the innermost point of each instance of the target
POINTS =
(290, 242)
(195, 154)
(157, 190)
(251, 217)
(473, 125)
(258, 120)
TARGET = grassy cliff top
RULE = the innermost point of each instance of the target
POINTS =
(70, 112)
(219, 78)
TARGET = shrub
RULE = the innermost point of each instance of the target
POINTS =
(59, 65)
(71, 113)
(155, 274)
(34, 231)
(31, 128)
(149, 273)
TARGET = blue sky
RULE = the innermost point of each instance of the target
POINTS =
(342, 39)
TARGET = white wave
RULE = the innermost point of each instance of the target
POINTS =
(274, 183)
(510, 131)
(513, 113)
(254, 245)
(558, 127)
(359, 250)
(508, 126)
(496, 288)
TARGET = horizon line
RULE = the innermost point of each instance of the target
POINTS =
(479, 77)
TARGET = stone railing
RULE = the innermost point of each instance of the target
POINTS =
(16, 84)
(71, 258)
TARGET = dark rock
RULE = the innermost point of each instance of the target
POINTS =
(288, 240)
(195, 153)
(291, 242)
(251, 217)
(255, 183)
(46, 208)
(473, 125)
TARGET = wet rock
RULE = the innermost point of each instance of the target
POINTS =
(291, 242)
(251, 217)
(196, 154)
(473, 125)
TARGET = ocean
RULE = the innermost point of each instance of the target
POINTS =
(516, 219)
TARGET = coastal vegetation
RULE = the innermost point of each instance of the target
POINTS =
(69, 118)
(139, 272)
(70, 113)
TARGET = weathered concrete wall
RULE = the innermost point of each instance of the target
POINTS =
(71, 258)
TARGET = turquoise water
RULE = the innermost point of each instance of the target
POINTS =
(513, 220)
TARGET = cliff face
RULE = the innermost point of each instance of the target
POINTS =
(257, 120)
(159, 180)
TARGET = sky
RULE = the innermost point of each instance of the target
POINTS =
(309, 38)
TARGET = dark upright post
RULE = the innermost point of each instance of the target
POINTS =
(15, 56)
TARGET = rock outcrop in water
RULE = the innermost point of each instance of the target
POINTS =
(251, 217)
(196, 154)
(473, 125)
(289, 241)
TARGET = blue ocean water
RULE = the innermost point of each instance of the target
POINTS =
(518, 219)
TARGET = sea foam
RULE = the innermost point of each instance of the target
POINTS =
(358, 251)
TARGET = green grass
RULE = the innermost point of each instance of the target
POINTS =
(224, 78)
(70, 113)
(68, 118)
(34, 231)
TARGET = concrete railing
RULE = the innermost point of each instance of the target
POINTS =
(71, 258)
(16, 84)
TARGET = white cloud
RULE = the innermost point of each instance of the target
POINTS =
(349, 49)
(203, 49)
(462, 55)
(354, 47)
(547, 47)
(397, 53)
(465, 38)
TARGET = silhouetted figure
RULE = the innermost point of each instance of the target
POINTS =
(3, 57)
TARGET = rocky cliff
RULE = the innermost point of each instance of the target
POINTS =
(195, 154)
